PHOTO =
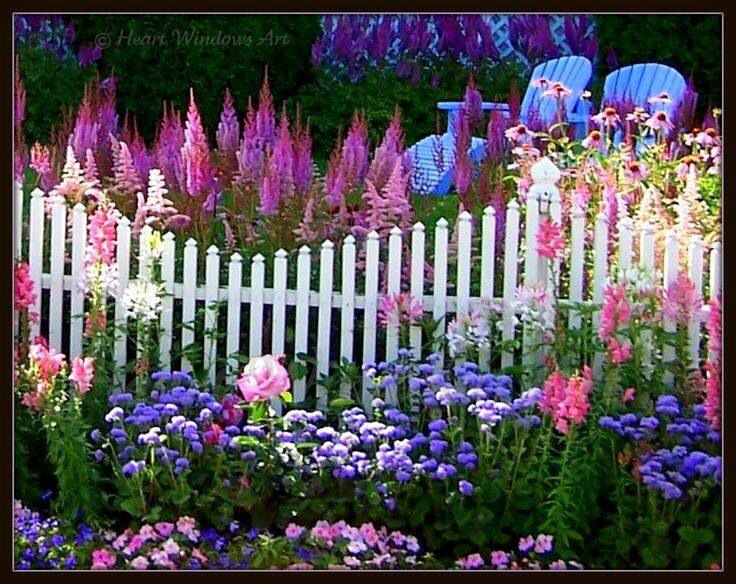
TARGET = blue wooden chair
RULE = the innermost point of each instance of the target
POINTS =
(573, 72)
(636, 84)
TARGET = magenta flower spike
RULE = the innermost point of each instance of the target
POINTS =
(250, 156)
(195, 153)
(228, 132)
(283, 158)
(19, 109)
(84, 135)
(266, 117)
(91, 173)
(302, 166)
(387, 153)
(270, 189)
(127, 180)
(356, 149)
(168, 149)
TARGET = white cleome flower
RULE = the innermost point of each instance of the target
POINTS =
(142, 300)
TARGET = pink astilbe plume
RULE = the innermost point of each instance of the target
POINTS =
(41, 163)
(91, 173)
(462, 175)
(155, 208)
(195, 154)
(388, 207)
(567, 400)
(266, 115)
(270, 191)
(228, 131)
(303, 169)
(251, 154)
(283, 158)
(386, 155)
(713, 366)
(355, 150)
(473, 103)
(107, 123)
(84, 135)
(127, 179)
(495, 139)
(336, 180)
(169, 144)
(19, 102)
(681, 300)
(550, 242)
(141, 158)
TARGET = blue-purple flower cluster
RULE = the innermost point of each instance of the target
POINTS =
(673, 471)
(40, 544)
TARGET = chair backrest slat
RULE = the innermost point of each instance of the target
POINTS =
(637, 83)
(573, 72)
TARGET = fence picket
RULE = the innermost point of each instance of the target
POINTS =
(234, 284)
(555, 214)
(188, 305)
(646, 261)
(211, 299)
(393, 287)
(600, 274)
(671, 270)
(18, 224)
(121, 317)
(510, 273)
(347, 308)
(371, 310)
(76, 312)
(417, 283)
(257, 281)
(168, 256)
(35, 253)
(487, 272)
(324, 317)
(577, 263)
(715, 270)
(695, 261)
(278, 330)
(532, 275)
(625, 241)
(302, 316)
(58, 250)
(465, 227)
(439, 308)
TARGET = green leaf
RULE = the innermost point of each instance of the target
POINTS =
(287, 397)
(341, 402)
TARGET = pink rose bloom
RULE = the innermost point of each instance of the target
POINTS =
(83, 372)
(263, 378)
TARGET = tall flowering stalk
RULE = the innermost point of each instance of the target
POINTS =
(250, 156)
(85, 131)
(228, 131)
(127, 179)
(168, 148)
(387, 153)
(24, 296)
(713, 365)
(302, 167)
(195, 154)
(41, 162)
(19, 115)
(54, 389)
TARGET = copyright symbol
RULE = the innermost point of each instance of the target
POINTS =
(103, 40)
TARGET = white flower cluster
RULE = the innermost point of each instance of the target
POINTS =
(639, 279)
(142, 300)
(473, 331)
(102, 277)
(535, 308)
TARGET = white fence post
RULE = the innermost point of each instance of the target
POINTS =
(168, 252)
(211, 299)
(76, 314)
(600, 273)
(577, 263)
(188, 304)
(393, 287)
(347, 308)
(58, 249)
(371, 310)
(35, 253)
(510, 273)
(695, 265)
(301, 337)
(671, 270)
(324, 317)
(18, 223)
(257, 279)
(465, 227)
(440, 282)
(487, 272)
(234, 285)
(122, 260)
(417, 283)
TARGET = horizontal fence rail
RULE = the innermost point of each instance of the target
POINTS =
(331, 313)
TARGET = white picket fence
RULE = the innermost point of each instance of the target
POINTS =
(335, 295)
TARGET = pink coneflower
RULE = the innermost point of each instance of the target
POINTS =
(593, 141)
(558, 91)
(550, 242)
(639, 115)
(663, 97)
(686, 163)
(399, 309)
(83, 372)
(659, 122)
(708, 137)
(608, 118)
(636, 170)
(519, 134)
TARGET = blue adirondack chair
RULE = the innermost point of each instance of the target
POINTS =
(573, 72)
(638, 83)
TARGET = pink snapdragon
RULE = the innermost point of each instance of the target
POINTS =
(24, 289)
(82, 373)
(550, 242)
(399, 309)
(713, 366)
(616, 313)
(681, 300)
(566, 400)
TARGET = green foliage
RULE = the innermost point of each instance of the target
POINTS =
(52, 86)
(690, 43)
(159, 57)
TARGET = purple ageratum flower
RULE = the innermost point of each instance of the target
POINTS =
(667, 405)
(133, 467)
(466, 488)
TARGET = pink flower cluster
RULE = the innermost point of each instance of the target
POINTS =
(24, 289)
(550, 241)
(401, 309)
(616, 313)
(566, 400)
(82, 373)
(44, 365)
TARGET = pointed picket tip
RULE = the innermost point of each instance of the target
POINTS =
(281, 253)
(37, 193)
(304, 250)
(212, 250)
(327, 244)
(191, 242)
(513, 204)
(418, 226)
(465, 216)
(373, 235)
(349, 240)
(442, 223)
(601, 218)
(670, 235)
(168, 236)
(79, 208)
(236, 258)
(396, 230)
(627, 223)
(716, 246)
(489, 211)
(258, 259)
(577, 212)
(123, 222)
